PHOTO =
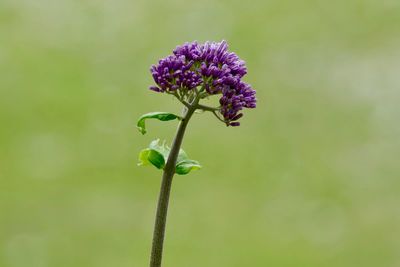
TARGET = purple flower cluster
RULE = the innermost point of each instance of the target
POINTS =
(214, 68)
(173, 73)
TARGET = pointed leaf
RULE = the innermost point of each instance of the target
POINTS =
(162, 116)
(163, 149)
(155, 155)
(181, 156)
(185, 166)
(149, 156)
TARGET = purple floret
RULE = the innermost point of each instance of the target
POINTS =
(173, 73)
(214, 68)
(217, 55)
(234, 99)
(191, 51)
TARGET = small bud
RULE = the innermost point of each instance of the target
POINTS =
(155, 89)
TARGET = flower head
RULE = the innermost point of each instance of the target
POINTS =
(211, 67)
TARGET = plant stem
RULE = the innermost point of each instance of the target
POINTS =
(169, 171)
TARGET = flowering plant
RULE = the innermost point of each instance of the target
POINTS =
(192, 73)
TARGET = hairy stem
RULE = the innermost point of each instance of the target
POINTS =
(163, 199)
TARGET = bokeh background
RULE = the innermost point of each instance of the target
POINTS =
(311, 178)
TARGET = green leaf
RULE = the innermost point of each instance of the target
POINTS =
(162, 116)
(148, 156)
(185, 166)
(181, 156)
(162, 149)
(157, 155)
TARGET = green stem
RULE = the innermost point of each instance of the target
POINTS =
(163, 199)
(207, 108)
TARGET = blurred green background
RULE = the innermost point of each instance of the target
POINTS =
(311, 178)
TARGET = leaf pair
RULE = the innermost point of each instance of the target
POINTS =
(157, 155)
